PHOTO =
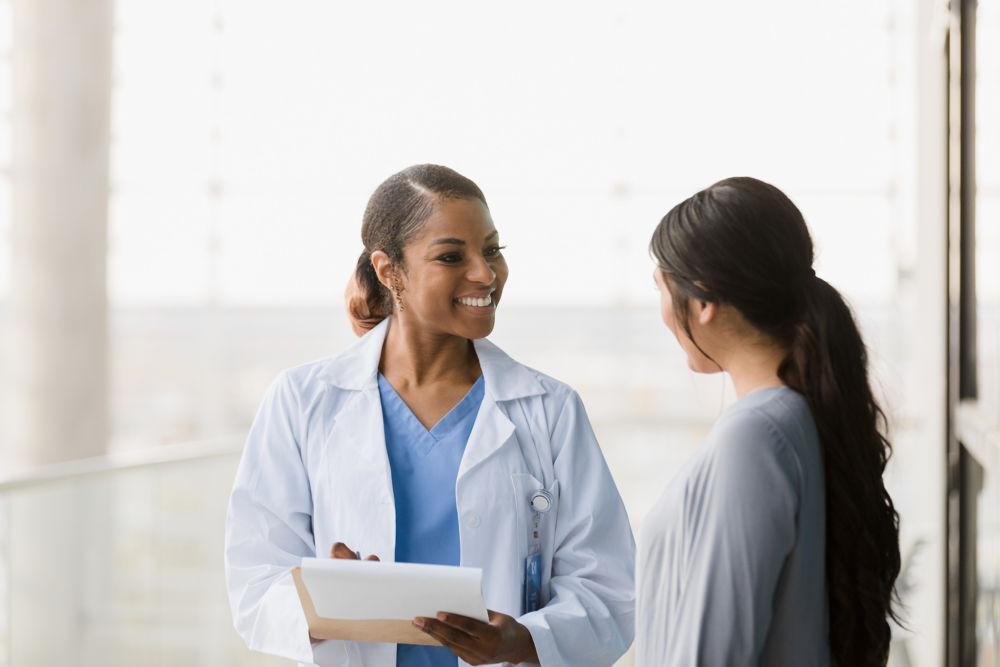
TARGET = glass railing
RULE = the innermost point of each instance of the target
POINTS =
(119, 562)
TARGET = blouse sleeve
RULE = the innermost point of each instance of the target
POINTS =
(739, 518)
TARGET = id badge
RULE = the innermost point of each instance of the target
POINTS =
(532, 582)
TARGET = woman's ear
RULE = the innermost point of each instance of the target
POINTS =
(705, 311)
(383, 267)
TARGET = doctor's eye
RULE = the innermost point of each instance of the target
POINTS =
(493, 251)
(450, 258)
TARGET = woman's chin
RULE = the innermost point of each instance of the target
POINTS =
(702, 365)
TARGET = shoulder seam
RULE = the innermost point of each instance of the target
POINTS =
(784, 443)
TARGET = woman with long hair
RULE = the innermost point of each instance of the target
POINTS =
(424, 443)
(776, 543)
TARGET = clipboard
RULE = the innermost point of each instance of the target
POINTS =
(398, 593)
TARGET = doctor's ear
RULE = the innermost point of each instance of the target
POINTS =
(383, 268)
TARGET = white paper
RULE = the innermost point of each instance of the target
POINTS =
(366, 590)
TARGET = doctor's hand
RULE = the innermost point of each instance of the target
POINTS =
(503, 639)
(341, 550)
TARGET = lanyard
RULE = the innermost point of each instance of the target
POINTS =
(541, 503)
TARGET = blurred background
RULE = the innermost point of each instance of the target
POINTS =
(181, 189)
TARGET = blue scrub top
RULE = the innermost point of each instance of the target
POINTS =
(424, 467)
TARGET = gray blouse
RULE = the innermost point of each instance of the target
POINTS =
(731, 559)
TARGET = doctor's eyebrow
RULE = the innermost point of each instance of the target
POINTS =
(453, 241)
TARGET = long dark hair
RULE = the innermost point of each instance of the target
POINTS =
(744, 243)
(395, 214)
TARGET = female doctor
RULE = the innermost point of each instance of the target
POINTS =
(424, 442)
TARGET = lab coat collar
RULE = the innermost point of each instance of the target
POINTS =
(506, 380)
(357, 368)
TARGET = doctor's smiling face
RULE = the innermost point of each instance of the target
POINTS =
(453, 271)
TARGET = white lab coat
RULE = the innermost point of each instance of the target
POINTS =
(315, 471)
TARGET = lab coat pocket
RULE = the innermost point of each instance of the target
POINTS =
(536, 508)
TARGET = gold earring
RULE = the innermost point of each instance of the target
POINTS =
(397, 291)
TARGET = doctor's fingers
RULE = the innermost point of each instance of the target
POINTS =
(341, 550)
(469, 626)
(474, 650)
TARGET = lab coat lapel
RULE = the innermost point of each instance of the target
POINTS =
(357, 440)
(489, 433)
(360, 425)
(361, 467)
(360, 420)
(506, 380)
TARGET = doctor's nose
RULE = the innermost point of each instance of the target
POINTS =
(481, 272)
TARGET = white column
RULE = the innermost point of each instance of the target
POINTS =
(58, 396)
(927, 182)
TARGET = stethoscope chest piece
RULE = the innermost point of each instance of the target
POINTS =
(541, 501)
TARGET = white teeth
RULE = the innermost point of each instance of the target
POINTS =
(472, 301)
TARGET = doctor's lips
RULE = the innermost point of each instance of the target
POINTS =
(480, 299)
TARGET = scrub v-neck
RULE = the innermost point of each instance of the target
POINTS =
(403, 418)
(424, 466)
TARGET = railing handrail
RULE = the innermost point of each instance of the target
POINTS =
(978, 429)
(124, 460)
